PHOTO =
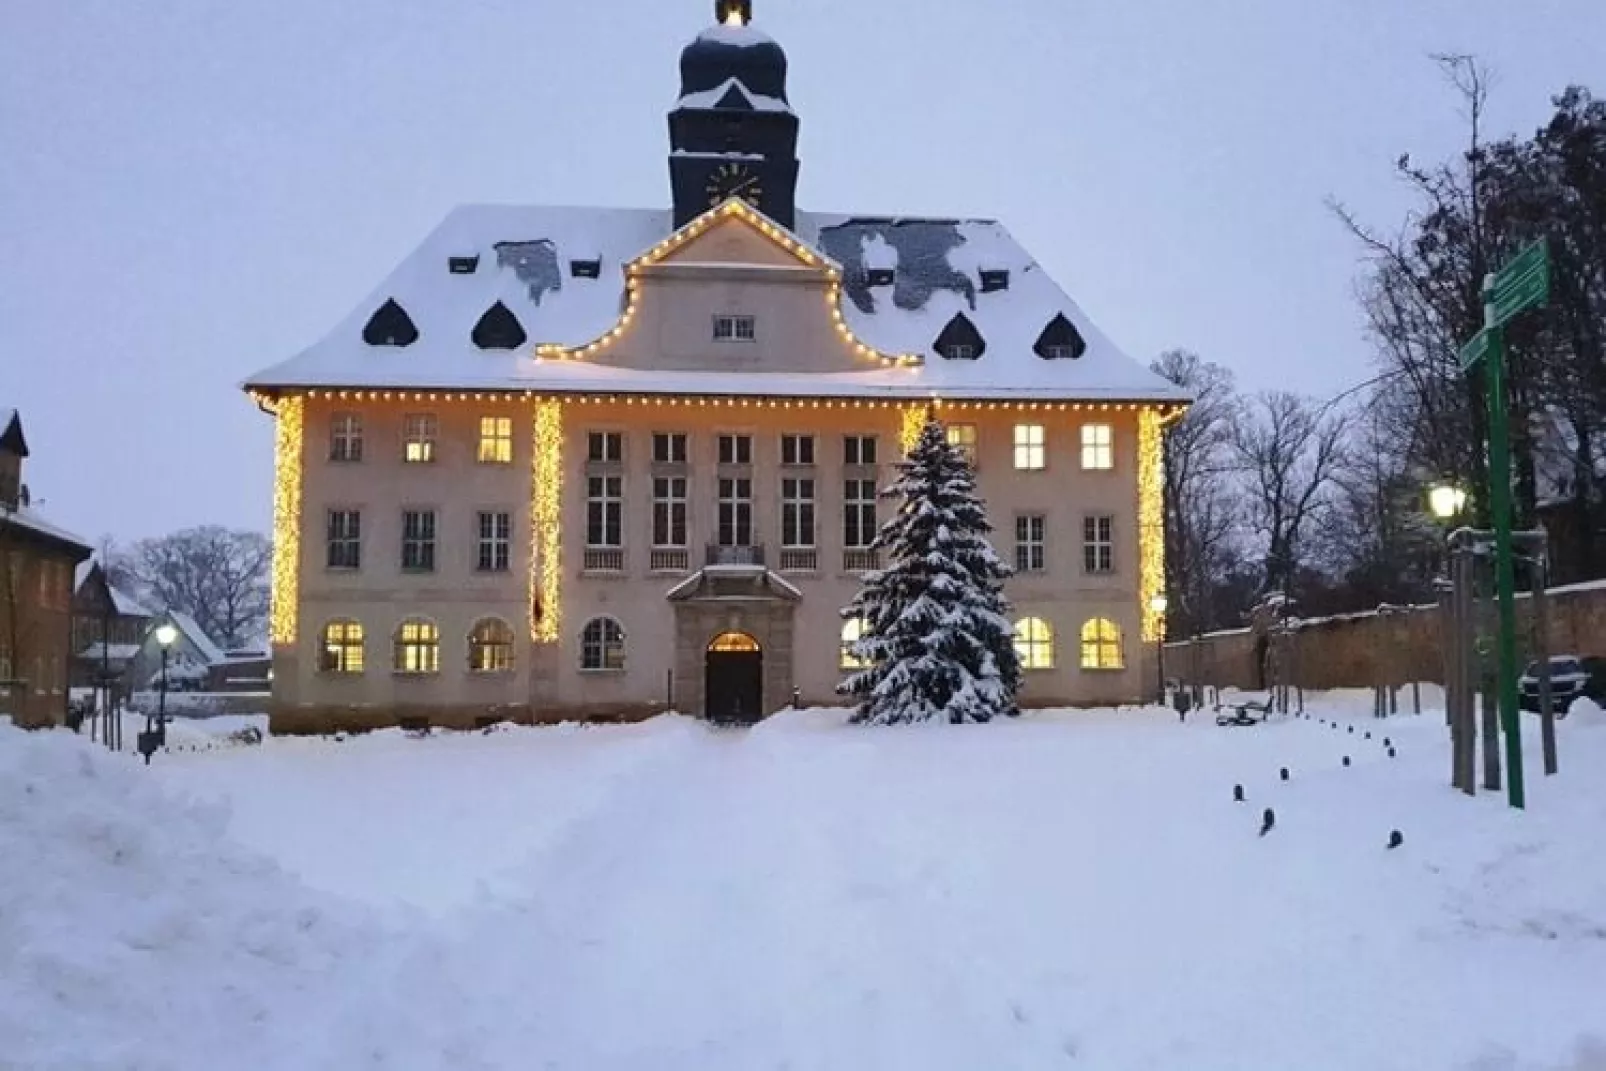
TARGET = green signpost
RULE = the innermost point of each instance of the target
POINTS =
(1521, 285)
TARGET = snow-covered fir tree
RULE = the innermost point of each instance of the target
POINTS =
(936, 639)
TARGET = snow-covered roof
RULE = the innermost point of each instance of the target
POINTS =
(197, 636)
(524, 261)
(34, 522)
(125, 604)
(116, 652)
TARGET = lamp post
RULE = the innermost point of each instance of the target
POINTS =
(165, 635)
(1158, 604)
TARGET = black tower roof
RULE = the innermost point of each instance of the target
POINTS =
(733, 49)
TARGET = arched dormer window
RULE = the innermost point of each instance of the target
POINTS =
(1101, 644)
(1060, 340)
(390, 326)
(417, 647)
(499, 329)
(340, 648)
(490, 646)
(960, 341)
(1034, 643)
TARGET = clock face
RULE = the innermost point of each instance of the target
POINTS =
(733, 180)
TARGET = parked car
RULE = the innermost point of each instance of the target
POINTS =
(1570, 677)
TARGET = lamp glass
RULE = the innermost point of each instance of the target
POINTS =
(1446, 500)
(166, 634)
(1158, 604)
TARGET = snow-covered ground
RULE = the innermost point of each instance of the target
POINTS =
(1067, 890)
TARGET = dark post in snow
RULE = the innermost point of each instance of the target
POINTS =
(1539, 559)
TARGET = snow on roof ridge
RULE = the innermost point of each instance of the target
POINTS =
(197, 635)
(25, 517)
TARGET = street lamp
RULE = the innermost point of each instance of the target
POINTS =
(1158, 604)
(1446, 500)
(165, 635)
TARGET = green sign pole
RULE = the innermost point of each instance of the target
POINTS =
(1505, 573)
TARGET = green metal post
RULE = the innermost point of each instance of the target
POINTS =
(1505, 574)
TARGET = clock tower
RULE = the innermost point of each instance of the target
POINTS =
(732, 133)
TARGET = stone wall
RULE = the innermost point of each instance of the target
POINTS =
(1360, 650)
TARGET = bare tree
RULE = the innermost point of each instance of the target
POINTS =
(217, 576)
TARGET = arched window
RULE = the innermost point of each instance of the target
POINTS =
(340, 647)
(602, 644)
(490, 646)
(1034, 643)
(1101, 644)
(853, 630)
(418, 647)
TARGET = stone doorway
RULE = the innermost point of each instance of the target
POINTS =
(733, 680)
(733, 643)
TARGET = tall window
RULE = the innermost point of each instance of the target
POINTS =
(605, 446)
(1030, 452)
(345, 437)
(797, 449)
(858, 513)
(859, 450)
(1031, 552)
(735, 449)
(341, 647)
(735, 512)
(605, 511)
(669, 448)
(602, 645)
(797, 513)
(418, 540)
(1098, 544)
(853, 630)
(962, 437)
(490, 647)
(669, 511)
(344, 537)
(1101, 644)
(1098, 446)
(728, 328)
(496, 440)
(418, 647)
(419, 432)
(495, 548)
(1034, 643)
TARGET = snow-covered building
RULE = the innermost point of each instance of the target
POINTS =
(575, 462)
(108, 625)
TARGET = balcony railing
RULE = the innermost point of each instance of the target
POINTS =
(799, 559)
(603, 560)
(860, 559)
(745, 555)
(669, 560)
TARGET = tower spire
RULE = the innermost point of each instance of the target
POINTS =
(733, 12)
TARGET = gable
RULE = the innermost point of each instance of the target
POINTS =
(733, 238)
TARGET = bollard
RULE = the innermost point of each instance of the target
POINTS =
(1391, 753)
(1396, 838)
(1346, 760)
(1283, 773)
(1238, 793)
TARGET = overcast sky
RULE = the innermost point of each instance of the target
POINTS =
(194, 189)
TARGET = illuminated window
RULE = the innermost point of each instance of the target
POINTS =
(495, 542)
(602, 645)
(418, 647)
(345, 437)
(1030, 452)
(341, 648)
(490, 647)
(1101, 644)
(1098, 544)
(1098, 446)
(853, 630)
(1031, 544)
(735, 329)
(344, 537)
(419, 431)
(962, 437)
(496, 440)
(1034, 643)
(797, 513)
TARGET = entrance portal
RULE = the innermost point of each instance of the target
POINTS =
(733, 682)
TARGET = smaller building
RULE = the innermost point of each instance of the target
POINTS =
(108, 626)
(37, 563)
(245, 669)
(190, 660)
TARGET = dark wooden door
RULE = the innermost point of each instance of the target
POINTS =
(733, 689)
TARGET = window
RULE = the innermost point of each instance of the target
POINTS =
(959, 351)
(496, 440)
(669, 511)
(853, 630)
(605, 506)
(797, 449)
(1098, 446)
(858, 513)
(1029, 446)
(1101, 644)
(490, 647)
(418, 647)
(735, 512)
(669, 448)
(602, 645)
(735, 449)
(1098, 544)
(495, 542)
(344, 531)
(419, 431)
(341, 648)
(418, 540)
(345, 437)
(1059, 351)
(797, 513)
(962, 437)
(605, 446)
(729, 328)
(858, 450)
(1034, 643)
(1031, 553)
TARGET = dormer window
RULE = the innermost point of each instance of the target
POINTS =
(993, 280)
(880, 276)
(499, 329)
(390, 326)
(586, 269)
(463, 265)
(960, 341)
(729, 328)
(1060, 340)
(960, 351)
